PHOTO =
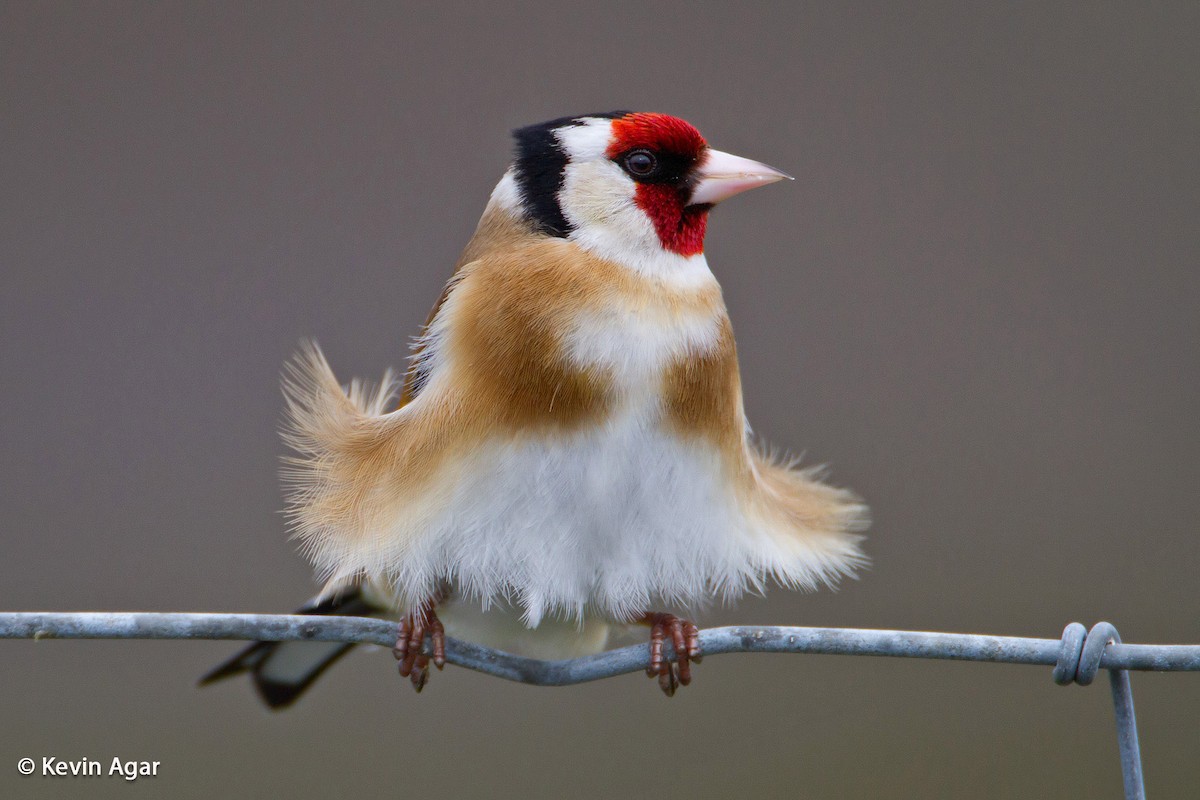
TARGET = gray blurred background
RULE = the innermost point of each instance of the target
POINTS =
(979, 303)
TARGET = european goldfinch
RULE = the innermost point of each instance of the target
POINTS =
(569, 451)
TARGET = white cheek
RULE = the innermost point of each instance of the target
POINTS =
(597, 199)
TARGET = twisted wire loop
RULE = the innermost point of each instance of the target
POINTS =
(1079, 659)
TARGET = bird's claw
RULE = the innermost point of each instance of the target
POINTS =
(685, 639)
(410, 645)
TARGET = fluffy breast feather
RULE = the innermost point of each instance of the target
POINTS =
(571, 439)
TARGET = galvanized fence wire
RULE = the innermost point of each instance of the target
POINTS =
(1076, 657)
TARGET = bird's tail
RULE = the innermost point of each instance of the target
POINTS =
(339, 436)
(282, 671)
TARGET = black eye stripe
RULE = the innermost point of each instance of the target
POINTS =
(539, 170)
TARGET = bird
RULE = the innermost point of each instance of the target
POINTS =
(569, 452)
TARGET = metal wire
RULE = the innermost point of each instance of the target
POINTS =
(1079, 660)
(1076, 657)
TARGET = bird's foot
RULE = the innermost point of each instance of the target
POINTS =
(410, 644)
(685, 638)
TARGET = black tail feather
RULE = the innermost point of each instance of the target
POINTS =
(281, 694)
(312, 658)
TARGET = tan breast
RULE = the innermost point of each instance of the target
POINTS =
(544, 336)
(703, 393)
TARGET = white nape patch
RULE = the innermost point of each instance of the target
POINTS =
(506, 195)
(597, 198)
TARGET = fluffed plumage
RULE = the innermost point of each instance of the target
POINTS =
(570, 449)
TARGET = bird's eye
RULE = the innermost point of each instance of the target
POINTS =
(641, 163)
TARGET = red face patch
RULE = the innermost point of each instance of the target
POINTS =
(680, 227)
(657, 132)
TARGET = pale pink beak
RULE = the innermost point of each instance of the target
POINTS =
(723, 175)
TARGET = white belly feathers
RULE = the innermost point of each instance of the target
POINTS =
(609, 520)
